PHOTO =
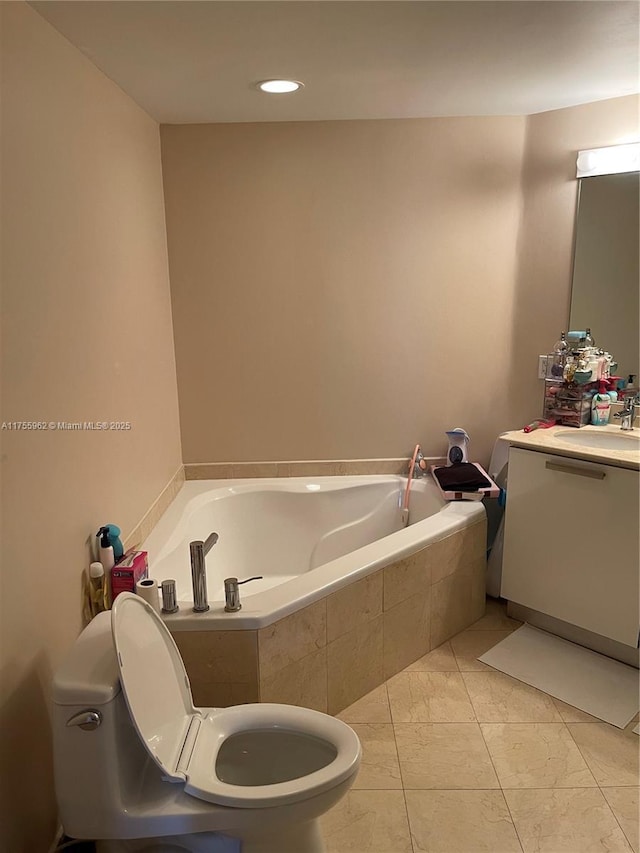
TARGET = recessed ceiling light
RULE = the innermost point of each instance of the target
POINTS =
(279, 87)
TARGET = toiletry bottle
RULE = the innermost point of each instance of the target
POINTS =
(630, 389)
(600, 408)
(458, 446)
(558, 359)
(105, 550)
(115, 541)
(97, 589)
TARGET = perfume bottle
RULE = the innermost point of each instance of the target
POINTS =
(558, 358)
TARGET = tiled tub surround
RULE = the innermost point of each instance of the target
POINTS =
(298, 468)
(156, 511)
(338, 648)
(304, 537)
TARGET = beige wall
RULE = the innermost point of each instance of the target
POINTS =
(86, 335)
(345, 289)
(342, 289)
(543, 284)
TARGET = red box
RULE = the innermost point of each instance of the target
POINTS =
(126, 573)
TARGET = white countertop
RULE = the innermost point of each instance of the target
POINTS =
(546, 441)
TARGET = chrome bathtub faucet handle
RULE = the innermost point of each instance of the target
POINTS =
(232, 593)
(198, 550)
(169, 599)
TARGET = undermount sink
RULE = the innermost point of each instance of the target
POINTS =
(601, 440)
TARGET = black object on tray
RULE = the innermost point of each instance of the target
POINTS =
(461, 477)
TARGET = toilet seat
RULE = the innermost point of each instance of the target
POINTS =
(185, 741)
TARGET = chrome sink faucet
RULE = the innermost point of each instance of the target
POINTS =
(198, 550)
(628, 413)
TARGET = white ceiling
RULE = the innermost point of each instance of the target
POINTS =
(198, 61)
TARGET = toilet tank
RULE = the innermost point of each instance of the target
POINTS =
(96, 770)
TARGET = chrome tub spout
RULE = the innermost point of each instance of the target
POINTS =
(198, 550)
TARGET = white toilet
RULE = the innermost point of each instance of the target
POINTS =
(139, 768)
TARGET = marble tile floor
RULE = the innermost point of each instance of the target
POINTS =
(460, 758)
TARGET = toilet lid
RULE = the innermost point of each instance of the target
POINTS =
(154, 681)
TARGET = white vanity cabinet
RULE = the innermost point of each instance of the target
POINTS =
(571, 545)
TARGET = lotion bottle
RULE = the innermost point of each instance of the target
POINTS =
(105, 550)
(600, 408)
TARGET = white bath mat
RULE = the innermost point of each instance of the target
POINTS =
(636, 731)
(598, 685)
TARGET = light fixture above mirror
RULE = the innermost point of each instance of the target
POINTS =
(613, 160)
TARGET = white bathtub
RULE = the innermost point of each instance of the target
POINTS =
(307, 537)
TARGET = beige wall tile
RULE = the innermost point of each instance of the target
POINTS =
(292, 638)
(459, 550)
(303, 683)
(476, 573)
(451, 610)
(208, 471)
(293, 468)
(445, 556)
(612, 755)
(212, 695)
(474, 542)
(152, 517)
(406, 578)
(625, 805)
(406, 633)
(373, 707)
(565, 821)
(242, 694)
(254, 469)
(367, 822)
(219, 656)
(498, 698)
(536, 755)
(353, 605)
(355, 664)
(284, 469)
(458, 574)
(429, 697)
(318, 468)
(444, 755)
(358, 467)
(379, 767)
(461, 822)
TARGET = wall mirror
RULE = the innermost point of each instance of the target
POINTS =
(606, 271)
